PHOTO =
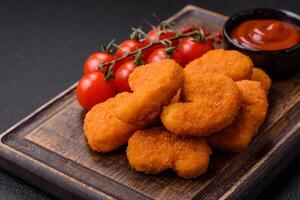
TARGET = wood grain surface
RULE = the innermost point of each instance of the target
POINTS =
(48, 149)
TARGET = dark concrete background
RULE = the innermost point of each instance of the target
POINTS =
(44, 43)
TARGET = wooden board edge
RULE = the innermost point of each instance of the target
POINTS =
(109, 186)
(256, 178)
(266, 180)
(191, 7)
(9, 156)
(262, 167)
(40, 175)
(277, 154)
(37, 111)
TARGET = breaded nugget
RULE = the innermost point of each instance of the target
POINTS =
(228, 62)
(239, 134)
(103, 130)
(262, 77)
(153, 85)
(210, 103)
(154, 150)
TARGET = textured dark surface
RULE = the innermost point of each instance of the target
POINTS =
(44, 43)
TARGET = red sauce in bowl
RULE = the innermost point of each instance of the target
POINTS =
(266, 34)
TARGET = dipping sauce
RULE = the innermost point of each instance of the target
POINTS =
(266, 34)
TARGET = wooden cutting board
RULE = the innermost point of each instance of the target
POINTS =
(48, 149)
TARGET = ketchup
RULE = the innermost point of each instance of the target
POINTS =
(266, 34)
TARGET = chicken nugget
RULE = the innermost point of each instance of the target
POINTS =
(228, 62)
(239, 134)
(210, 103)
(153, 85)
(154, 150)
(262, 77)
(103, 130)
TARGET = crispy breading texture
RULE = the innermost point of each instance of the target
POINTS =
(153, 85)
(228, 62)
(239, 134)
(210, 103)
(103, 130)
(262, 77)
(154, 150)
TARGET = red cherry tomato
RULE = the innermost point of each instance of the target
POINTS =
(190, 49)
(94, 61)
(161, 54)
(154, 36)
(122, 75)
(111, 82)
(157, 55)
(129, 46)
(92, 89)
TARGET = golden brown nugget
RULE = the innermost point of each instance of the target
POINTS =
(228, 62)
(153, 85)
(154, 150)
(210, 103)
(262, 77)
(103, 130)
(239, 134)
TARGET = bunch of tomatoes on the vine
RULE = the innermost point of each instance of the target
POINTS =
(106, 72)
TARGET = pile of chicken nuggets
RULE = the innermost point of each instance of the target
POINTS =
(175, 116)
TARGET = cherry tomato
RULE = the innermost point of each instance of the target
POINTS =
(157, 55)
(161, 54)
(129, 46)
(190, 49)
(92, 89)
(94, 61)
(122, 75)
(111, 82)
(153, 36)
